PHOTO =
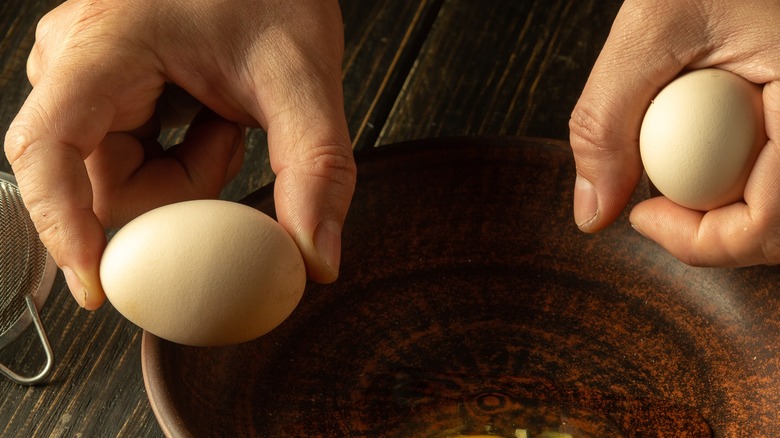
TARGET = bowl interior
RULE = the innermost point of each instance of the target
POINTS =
(470, 304)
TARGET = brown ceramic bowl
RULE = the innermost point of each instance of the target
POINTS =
(470, 304)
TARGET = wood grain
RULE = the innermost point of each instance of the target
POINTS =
(376, 68)
(505, 67)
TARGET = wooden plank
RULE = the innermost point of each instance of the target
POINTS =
(382, 46)
(505, 67)
(96, 387)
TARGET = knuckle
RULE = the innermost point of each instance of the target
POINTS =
(24, 132)
(43, 27)
(52, 21)
(18, 139)
(589, 135)
(334, 163)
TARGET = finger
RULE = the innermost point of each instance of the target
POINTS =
(311, 154)
(56, 128)
(741, 234)
(715, 238)
(635, 63)
(312, 195)
(127, 182)
(64, 118)
(298, 99)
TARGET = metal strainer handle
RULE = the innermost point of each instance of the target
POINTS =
(37, 378)
(27, 273)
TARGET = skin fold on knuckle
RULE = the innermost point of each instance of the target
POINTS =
(34, 128)
(333, 163)
(45, 25)
(50, 27)
(18, 139)
(31, 124)
(590, 135)
(328, 168)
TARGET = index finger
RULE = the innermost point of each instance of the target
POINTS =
(57, 127)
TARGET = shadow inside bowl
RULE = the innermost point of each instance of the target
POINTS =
(470, 304)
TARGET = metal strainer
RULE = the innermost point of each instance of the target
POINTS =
(27, 274)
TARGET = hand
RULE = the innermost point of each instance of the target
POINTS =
(83, 145)
(651, 42)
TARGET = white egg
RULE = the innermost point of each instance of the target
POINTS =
(204, 273)
(701, 136)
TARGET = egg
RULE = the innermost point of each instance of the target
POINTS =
(701, 136)
(203, 273)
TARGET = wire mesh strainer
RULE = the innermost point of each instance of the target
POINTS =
(27, 274)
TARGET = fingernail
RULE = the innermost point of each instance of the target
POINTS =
(327, 242)
(77, 288)
(586, 206)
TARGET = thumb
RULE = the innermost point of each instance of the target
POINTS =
(605, 123)
(301, 105)
(315, 180)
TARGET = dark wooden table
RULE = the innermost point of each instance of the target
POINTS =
(412, 69)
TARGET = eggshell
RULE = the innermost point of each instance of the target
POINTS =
(701, 136)
(204, 273)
